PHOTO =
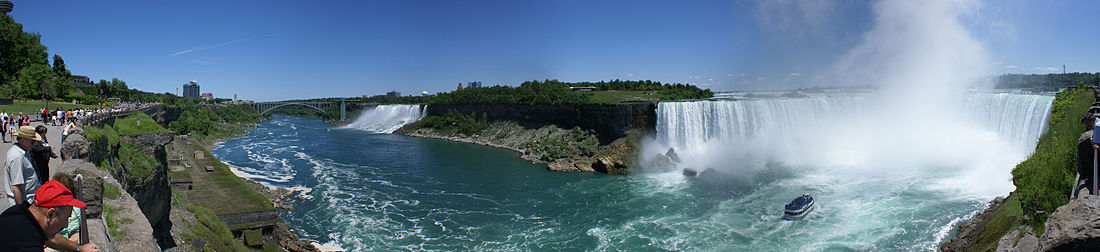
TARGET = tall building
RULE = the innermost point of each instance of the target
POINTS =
(476, 84)
(191, 89)
(393, 94)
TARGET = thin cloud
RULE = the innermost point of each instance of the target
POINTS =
(1047, 69)
(1012, 66)
(795, 74)
(204, 47)
(630, 75)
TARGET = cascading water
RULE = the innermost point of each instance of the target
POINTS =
(387, 118)
(874, 169)
(847, 131)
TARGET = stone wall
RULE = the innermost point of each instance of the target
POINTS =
(609, 121)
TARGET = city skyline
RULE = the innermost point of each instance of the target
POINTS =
(278, 50)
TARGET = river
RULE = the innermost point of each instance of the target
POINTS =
(376, 191)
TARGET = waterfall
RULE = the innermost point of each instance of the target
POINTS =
(976, 135)
(387, 118)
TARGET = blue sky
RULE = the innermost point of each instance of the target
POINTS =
(275, 50)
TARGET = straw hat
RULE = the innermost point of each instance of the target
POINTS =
(28, 132)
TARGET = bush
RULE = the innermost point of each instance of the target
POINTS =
(1045, 179)
(454, 122)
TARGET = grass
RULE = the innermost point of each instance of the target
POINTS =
(33, 106)
(128, 125)
(1005, 219)
(137, 163)
(109, 215)
(111, 192)
(208, 227)
(1045, 179)
(221, 191)
(617, 96)
(253, 237)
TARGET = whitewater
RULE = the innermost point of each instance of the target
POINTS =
(879, 187)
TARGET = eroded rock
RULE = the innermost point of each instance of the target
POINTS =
(1073, 227)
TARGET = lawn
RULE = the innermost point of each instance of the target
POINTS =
(33, 106)
(617, 96)
(128, 125)
(221, 191)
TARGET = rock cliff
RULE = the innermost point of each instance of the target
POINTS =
(1073, 227)
(610, 121)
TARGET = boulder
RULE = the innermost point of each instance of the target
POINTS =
(74, 147)
(690, 172)
(672, 156)
(1021, 239)
(1073, 227)
(76, 131)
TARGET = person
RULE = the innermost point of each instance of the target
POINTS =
(68, 237)
(1085, 154)
(20, 179)
(3, 130)
(41, 154)
(29, 226)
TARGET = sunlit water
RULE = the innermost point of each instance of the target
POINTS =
(370, 191)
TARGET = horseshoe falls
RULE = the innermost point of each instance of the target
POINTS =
(884, 179)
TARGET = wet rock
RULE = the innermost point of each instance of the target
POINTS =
(690, 172)
(290, 241)
(672, 156)
(1074, 226)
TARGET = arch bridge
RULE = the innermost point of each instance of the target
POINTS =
(264, 107)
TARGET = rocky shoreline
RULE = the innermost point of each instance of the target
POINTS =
(559, 149)
(281, 198)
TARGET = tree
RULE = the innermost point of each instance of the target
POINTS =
(33, 81)
(18, 50)
(59, 68)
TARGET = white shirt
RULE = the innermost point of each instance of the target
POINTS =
(19, 172)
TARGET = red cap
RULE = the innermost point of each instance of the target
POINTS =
(53, 194)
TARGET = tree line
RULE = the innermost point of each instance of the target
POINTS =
(1048, 82)
(555, 92)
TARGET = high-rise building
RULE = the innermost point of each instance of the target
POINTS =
(474, 84)
(393, 94)
(191, 89)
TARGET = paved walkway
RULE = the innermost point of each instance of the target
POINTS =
(53, 135)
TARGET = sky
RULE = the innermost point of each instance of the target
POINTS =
(277, 50)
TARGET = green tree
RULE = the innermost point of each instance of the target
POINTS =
(34, 81)
(18, 50)
(59, 68)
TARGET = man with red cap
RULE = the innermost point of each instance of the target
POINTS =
(27, 227)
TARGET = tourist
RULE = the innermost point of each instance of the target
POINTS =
(26, 121)
(3, 130)
(20, 179)
(28, 226)
(41, 154)
(1085, 155)
(69, 236)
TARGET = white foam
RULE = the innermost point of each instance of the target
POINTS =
(387, 118)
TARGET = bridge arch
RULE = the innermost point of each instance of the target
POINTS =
(288, 104)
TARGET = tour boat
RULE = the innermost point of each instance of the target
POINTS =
(799, 207)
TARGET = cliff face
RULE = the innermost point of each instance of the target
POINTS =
(610, 122)
(151, 190)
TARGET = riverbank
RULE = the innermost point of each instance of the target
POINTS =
(1043, 183)
(559, 149)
